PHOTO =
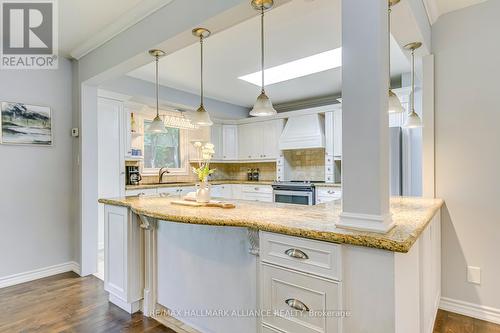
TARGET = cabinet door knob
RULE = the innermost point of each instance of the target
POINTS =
(296, 253)
(297, 305)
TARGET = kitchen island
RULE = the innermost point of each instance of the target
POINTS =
(275, 258)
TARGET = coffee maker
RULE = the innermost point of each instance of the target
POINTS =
(133, 175)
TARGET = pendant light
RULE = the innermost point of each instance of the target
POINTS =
(263, 106)
(201, 116)
(157, 126)
(413, 120)
(394, 102)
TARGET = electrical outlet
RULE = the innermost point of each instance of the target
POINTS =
(474, 274)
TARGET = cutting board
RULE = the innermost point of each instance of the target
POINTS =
(190, 203)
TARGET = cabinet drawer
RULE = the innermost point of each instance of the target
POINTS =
(284, 292)
(310, 256)
(320, 200)
(146, 191)
(257, 189)
(329, 192)
(267, 329)
(329, 178)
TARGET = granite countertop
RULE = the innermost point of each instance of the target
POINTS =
(216, 182)
(411, 216)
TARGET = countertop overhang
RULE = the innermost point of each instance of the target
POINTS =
(411, 216)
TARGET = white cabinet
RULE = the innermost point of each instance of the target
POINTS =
(229, 142)
(271, 132)
(222, 191)
(259, 140)
(217, 141)
(247, 141)
(327, 194)
(225, 141)
(337, 134)
(262, 193)
(122, 258)
(300, 277)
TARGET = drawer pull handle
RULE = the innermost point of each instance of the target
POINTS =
(296, 305)
(296, 253)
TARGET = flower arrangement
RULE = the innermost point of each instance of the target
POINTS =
(205, 154)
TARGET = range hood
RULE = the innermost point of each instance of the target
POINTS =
(303, 132)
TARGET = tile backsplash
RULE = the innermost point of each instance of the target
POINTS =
(225, 171)
(306, 164)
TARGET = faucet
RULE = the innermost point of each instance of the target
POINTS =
(161, 173)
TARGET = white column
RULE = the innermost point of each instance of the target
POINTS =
(365, 134)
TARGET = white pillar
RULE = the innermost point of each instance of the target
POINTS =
(365, 134)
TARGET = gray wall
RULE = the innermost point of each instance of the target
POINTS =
(144, 89)
(467, 114)
(36, 196)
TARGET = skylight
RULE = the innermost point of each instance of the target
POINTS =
(298, 68)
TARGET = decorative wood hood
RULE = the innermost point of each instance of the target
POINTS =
(303, 132)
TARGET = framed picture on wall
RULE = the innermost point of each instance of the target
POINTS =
(25, 124)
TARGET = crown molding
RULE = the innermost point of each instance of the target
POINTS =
(432, 9)
(132, 17)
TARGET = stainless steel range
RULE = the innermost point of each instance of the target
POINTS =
(295, 192)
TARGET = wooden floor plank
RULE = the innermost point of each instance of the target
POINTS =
(448, 322)
(67, 303)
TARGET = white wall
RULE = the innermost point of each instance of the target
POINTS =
(466, 48)
(36, 196)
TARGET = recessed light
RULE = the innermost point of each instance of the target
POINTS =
(298, 68)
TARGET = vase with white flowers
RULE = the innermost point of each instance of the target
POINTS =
(205, 155)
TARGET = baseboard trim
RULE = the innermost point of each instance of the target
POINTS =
(470, 309)
(39, 273)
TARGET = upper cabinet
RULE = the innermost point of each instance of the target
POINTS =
(230, 142)
(225, 141)
(337, 134)
(333, 134)
(216, 139)
(259, 140)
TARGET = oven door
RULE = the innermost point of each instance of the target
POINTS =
(294, 197)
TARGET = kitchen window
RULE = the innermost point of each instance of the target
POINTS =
(164, 150)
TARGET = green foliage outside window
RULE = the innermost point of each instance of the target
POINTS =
(162, 149)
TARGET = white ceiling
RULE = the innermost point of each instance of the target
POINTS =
(446, 6)
(295, 30)
(87, 24)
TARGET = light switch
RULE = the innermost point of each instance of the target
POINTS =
(474, 274)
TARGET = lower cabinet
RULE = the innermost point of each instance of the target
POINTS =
(222, 191)
(262, 193)
(327, 194)
(300, 285)
(123, 258)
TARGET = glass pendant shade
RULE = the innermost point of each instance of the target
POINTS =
(157, 125)
(263, 107)
(394, 103)
(201, 117)
(413, 120)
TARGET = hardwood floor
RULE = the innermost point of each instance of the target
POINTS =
(448, 322)
(67, 303)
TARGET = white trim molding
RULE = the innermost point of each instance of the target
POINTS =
(470, 309)
(39, 273)
(132, 17)
(432, 9)
(366, 222)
